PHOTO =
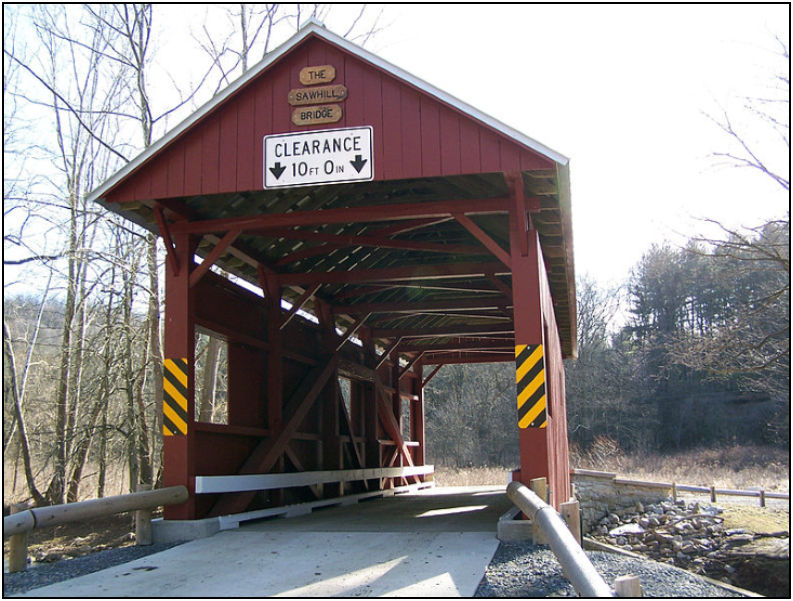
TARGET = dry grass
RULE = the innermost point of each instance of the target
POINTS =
(471, 476)
(737, 467)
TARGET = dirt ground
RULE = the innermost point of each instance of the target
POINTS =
(78, 539)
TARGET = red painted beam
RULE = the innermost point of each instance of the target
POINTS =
(390, 274)
(298, 304)
(461, 345)
(214, 255)
(387, 353)
(165, 232)
(350, 331)
(458, 330)
(410, 365)
(490, 302)
(491, 245)
(334, 241)
(408, 210)
(432, 375)
(459, 358)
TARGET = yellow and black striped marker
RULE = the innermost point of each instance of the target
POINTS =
(174, 406)
(530, 379)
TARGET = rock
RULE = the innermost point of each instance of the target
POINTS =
(626, 529)
(622, 541)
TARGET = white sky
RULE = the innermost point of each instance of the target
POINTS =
(621, 91)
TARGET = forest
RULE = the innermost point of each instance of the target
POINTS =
(693, 349)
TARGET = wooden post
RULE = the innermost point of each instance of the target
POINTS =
(674, 491)
(571, 515)
(143, 521)
(762, 498)
(712, 494)
(539, 486)
(18, 545)
(628, 586)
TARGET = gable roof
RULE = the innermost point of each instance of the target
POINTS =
(314, 28)
(431, 146)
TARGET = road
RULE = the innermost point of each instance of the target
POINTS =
(431, 543)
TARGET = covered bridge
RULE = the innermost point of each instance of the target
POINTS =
(404, 229)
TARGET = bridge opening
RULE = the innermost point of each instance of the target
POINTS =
(357, 256)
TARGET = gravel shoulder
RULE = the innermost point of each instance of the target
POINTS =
(529, 570)
(42, 574)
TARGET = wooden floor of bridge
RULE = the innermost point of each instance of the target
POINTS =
(431, 543)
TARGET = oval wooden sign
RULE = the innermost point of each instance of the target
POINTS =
(318, 95)
(311, 76)
(315, 115)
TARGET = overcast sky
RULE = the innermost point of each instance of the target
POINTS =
(620, 90)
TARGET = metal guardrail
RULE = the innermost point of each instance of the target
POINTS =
(576, 565)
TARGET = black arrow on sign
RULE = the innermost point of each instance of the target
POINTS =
(277, 169)
(358, 163)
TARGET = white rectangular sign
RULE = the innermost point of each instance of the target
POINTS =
(330, 156)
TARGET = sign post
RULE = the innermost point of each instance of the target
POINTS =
(330, 156)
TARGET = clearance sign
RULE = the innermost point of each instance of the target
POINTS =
(331, 156)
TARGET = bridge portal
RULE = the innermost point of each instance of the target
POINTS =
(368, 229)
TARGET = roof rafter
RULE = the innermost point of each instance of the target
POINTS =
(365, 214)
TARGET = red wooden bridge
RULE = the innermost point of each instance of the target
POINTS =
(370, 229)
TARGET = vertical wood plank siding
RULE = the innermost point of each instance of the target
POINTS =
(415, 135)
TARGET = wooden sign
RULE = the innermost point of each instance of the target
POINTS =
(318, 95)
(315, 115)
(311, 76)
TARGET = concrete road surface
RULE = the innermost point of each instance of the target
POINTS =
(432, 543)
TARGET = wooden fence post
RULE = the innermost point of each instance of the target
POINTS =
(762, 498)
(571, 515)
(674, 491)
(143, 521)
(18, 545)
(628, 586)
(712, 494)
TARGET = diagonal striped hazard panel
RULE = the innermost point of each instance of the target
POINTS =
(174, 406)
(530, 379)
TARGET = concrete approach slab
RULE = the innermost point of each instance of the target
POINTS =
(432, 543)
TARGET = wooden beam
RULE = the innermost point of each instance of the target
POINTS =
(461, 345)
(267, 452)
(409, 366)
(170, 247)
(491, 245)
(506, 290)
(408, 226)
(387, 353)
(391, 426)
(432, 375)
(350, 331)
(515, 184)
(334, 241)
(412, 272)
(467, 357)
(370, 213)
(298, 304)
(314, 488)
(490, 302)
(214, 255)
(458, 330)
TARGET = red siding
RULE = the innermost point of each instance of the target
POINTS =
(415, 135)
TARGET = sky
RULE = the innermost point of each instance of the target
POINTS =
(622, 91)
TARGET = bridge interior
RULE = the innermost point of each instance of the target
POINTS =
(339, 302)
